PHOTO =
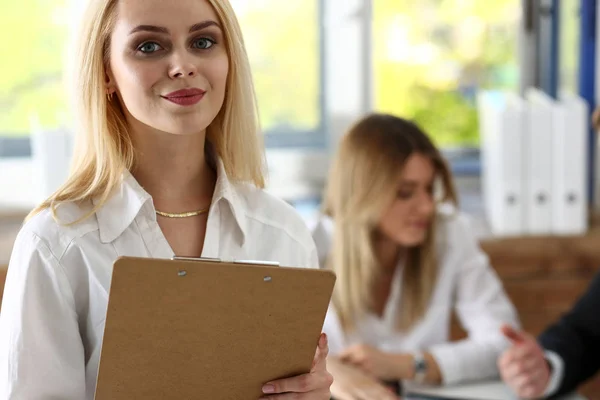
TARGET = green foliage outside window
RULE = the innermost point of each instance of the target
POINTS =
(431, 57)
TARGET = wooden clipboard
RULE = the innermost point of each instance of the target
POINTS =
(206, 329)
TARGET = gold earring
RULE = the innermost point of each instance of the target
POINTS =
(110, 96)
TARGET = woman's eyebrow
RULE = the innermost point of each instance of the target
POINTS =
(159, 29)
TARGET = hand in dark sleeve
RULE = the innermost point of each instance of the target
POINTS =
(576, 339)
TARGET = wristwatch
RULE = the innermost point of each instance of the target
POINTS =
(420, 366)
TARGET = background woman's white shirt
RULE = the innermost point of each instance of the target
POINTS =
(55, 300)
(466, 284)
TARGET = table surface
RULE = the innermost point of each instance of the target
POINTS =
(476, 391)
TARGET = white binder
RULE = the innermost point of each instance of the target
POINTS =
(538, 163)
(569, 208)
(502, 124)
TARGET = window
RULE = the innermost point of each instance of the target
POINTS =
(432, 56)
(569, 46)
(283, 41)
(31, 80)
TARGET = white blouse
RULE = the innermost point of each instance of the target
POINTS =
(55, 300)
(466, 283)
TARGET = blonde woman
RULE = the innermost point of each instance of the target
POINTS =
(404, 262)
(169, 162)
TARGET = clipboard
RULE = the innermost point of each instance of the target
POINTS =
(208, 329)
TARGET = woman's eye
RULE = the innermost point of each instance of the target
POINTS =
(404, 195)
(203, 43)
(149, 47)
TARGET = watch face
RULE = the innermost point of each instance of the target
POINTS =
(420, 365)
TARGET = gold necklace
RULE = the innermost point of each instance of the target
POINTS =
(182, 215)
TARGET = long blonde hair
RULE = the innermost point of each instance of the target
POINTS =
(360, 188)
(104, 149)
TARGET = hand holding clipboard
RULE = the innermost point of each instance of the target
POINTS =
(315, 384)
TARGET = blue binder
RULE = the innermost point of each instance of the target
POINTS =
(587, 78)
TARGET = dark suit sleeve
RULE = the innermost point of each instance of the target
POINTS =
(576, 339)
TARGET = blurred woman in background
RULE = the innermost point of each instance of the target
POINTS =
(405, 259)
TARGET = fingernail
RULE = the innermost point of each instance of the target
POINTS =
(268, 389)
(323, 340)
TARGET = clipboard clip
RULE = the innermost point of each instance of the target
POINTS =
(252, 262)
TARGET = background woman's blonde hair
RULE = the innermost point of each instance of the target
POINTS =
(104, 150)
(361, 186)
